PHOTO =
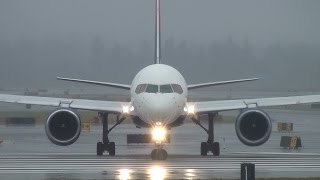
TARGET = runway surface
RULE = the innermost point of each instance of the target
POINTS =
(26, 153)
(82, 166)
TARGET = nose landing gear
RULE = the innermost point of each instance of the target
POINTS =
(159, 136)
(210, 145)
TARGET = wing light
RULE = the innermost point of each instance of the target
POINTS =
(189, 109)
(127, 109)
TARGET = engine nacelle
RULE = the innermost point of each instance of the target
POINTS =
(63, 127)
(253, 127)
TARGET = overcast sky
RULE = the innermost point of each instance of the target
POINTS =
(131, 22)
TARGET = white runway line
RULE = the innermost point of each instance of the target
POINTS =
(39, 164)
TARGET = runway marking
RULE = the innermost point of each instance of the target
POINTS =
(92, 164)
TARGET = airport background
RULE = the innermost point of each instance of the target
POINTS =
(276, 41)
(206, 40)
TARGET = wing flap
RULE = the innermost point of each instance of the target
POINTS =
(94, 105)
(210, 106)
(225, 105)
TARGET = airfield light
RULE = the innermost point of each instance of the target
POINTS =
(159, 134)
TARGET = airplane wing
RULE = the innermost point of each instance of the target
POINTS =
(225, 105)
(94, 105)
(115, 85)
(195, 86)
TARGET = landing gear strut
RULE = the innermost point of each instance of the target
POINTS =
(210, 145)
(159, 135)
(106, 145)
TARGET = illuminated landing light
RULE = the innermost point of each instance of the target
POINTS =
(127, 109)
(189, 110)
(157, 173)
(131, 109)
(159, 134)
(124, 174)
(158, 123)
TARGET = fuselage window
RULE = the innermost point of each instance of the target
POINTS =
(141, 88)
(177, 88)
(166, 88)
(151, 88)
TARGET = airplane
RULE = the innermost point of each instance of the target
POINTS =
(159, 102)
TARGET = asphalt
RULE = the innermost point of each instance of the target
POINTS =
(26, 153)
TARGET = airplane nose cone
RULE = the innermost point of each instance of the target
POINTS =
(161, 109)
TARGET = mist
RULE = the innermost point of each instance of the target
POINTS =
(206, 40)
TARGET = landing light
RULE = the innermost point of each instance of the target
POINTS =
(159, 134)
(127, 109)
(189, 109)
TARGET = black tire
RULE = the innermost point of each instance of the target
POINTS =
(112, 149)
(204, 149)
(154, 154)
(162, 155)
(99, 149)
(216, 149)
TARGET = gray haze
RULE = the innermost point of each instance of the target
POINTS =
(206, 40)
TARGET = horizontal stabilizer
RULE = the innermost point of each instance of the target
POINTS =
(109, 84)
(195, 86)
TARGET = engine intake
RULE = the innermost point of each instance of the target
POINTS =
(63, 127)
(253, 127)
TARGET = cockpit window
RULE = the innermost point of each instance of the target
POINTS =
(177, 88)
(166, 88)
(141, 88)
(151, 88)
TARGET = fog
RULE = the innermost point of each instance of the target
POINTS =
(206, 40)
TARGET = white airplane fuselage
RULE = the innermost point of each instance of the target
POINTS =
(158, 106)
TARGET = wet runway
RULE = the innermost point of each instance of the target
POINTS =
(27, 154)
(82, 166)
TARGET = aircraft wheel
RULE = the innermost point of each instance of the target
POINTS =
(159, 154)
(216, 149)
(204, 149)
(99, 149)
(112, 149)
(162, 154)
(153, 154)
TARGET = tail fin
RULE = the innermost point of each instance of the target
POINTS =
(157, 34)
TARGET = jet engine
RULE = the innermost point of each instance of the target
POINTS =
(63, 127)
(253, 127)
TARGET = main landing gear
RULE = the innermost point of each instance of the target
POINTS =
(210, 145)
(106, 145)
